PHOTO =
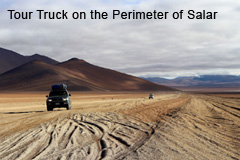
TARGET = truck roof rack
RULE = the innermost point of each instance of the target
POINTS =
(59, 86)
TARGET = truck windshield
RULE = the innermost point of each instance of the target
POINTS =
(58, 93)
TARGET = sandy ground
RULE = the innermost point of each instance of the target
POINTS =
(121, 126)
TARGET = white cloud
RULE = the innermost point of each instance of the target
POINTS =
(141, 47)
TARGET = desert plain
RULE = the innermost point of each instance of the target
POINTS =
(115, 125)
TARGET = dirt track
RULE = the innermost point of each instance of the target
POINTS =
(121, 126)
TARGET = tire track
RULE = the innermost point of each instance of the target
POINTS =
(82, 136)
(200, 130)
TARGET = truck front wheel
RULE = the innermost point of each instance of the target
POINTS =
(49, 108)
(68, 107)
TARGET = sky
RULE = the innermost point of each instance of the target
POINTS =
(150, 48)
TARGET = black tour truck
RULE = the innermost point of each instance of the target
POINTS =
(58, 97)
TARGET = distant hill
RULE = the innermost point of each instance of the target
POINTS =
(77, 74)
(10, 59)
(41, 58)
(200, 81)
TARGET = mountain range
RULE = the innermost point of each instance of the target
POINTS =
(38, 73)
(10, 59)
(202, 81)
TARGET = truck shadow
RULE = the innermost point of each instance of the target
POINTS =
(23, 112)
(57, 110)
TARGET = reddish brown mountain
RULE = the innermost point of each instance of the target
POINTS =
(10, 59)
(77, 74)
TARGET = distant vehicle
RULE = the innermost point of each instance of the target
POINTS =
(151, 96)
(58, 97)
